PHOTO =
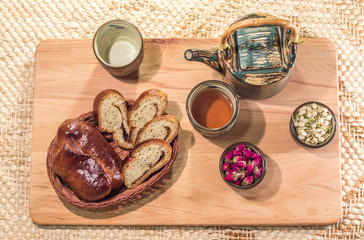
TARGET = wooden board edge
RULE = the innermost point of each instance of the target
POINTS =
(324, 222)
(35, 218)
(338, 215)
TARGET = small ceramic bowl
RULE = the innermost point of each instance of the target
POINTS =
(118, 46)
(295, 134)
(262, 167)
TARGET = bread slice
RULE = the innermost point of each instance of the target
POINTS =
(111, 114)
(164, 127)
(145, 159)
(150, 104)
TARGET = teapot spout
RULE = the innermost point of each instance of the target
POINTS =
(209, 57)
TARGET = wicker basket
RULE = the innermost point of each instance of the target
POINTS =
(116, 196)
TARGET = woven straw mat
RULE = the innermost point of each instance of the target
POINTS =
(24, 23)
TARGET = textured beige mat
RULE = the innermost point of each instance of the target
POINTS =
(24, 23)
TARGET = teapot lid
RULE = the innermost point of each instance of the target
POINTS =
(260, 55)
(259, 48)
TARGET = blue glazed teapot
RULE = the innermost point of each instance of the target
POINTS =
(256, 55)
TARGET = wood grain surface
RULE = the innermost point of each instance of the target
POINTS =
(301, 187)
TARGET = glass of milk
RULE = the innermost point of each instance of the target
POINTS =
(118, 45)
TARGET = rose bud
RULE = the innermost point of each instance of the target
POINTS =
(241, 164)
(237, 183)
(243, 174)
(226, 166)
(257, 161)
(247, 181)
(241, 148)
(236, 159)
(260, 169)
(249, 169)
(257, 172)
(235, 168)
(247, 153)
(229, 156)
(232, 177)
(237, 153)
(229, 171)
(254, 155)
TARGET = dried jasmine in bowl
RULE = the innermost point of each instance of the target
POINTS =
(314, 124)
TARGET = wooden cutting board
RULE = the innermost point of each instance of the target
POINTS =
(301, 187)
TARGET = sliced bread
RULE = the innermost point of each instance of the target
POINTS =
(111, 114)
(145, 159)
(164, 127)
(150, 104)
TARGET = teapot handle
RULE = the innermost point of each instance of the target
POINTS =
(255, 22)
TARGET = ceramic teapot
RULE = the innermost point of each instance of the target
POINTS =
(256, 55)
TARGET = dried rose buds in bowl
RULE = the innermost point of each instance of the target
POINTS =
(243, 165)
(313, 124)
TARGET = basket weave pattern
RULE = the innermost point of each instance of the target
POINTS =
(25, 23)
